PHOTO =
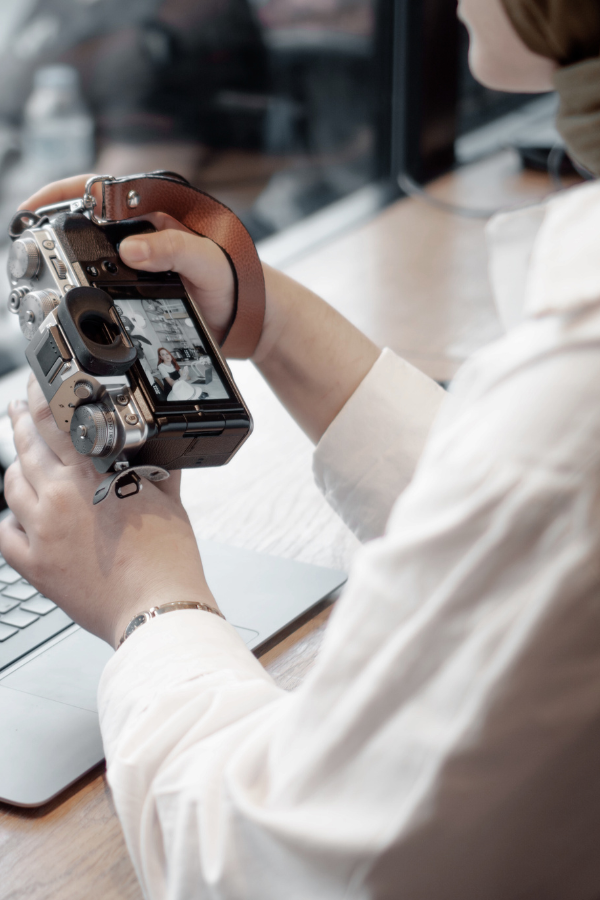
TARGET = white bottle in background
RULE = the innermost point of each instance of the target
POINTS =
(58, 130)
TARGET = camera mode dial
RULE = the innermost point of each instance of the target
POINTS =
(24, 259)
(34, 308)
(93, 430)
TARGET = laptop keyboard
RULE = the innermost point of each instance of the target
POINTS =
(27, 619)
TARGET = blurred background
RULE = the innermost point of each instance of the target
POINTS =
(285, 110)
(266, 103)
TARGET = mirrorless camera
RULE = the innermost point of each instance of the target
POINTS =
(123, 357)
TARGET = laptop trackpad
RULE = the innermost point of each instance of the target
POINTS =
(50, 730)
(67, 672)
(45, 746)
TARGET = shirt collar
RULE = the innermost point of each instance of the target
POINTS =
(546, 259)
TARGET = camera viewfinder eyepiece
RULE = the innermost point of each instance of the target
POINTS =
(95, 331)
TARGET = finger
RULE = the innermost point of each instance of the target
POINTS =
(162, 221)
(202, 264)
(19, 494)
(57, 191)
(194, 257)
(14, 543)
(37, 459)
(58, 441)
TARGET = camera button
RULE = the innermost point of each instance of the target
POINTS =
(59, 267)
(48, 245)
(83, 390)
(15, 297)
(92, 270)
(110, 267)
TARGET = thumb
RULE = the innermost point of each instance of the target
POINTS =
(203, 266)
(195, 258)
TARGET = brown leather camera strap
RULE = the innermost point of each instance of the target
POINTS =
(136, 196)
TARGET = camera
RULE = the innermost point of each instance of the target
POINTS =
(123, 357)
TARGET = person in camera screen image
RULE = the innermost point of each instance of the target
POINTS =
(173, 356)
(169, 368)
(176, 378)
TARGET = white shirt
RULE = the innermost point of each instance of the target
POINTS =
(167, 370)
(447, 743)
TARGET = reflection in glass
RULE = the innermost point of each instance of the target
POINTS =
(267, 104)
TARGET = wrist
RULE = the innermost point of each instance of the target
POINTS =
(125, 615)
(313, 358)
(164, 609)
(279, 288)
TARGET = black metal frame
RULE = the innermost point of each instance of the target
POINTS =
(425, 96)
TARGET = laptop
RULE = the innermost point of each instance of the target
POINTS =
(50, 668)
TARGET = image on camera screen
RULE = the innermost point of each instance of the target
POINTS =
(172, 353)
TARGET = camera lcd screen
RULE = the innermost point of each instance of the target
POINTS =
(172, 353)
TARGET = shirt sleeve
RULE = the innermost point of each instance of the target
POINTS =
(369, 453)
(446, 743)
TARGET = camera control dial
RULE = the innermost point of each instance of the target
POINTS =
(93, 430)
(34, 308)
(83, 390)
(24, 259)
(15, 297)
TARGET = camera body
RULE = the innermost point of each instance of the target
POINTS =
(124, 359)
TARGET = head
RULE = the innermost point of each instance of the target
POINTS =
(538, 45)
(498, 57)
(164, 356)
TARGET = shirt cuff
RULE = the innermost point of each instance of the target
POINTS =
(172, 650)
(370, 451)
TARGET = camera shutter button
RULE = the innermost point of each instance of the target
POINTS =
(24, 259)
(83, 390)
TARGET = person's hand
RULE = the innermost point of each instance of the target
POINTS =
(202, 265)
(102, 564)
(313, 358)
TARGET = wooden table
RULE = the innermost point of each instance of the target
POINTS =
(414, 279)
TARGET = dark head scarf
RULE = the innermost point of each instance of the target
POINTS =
(568, 32)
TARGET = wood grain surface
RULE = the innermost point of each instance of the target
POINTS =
(414, 279)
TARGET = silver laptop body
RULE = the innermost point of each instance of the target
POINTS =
(50, 734)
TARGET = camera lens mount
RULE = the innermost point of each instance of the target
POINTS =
(93, 430)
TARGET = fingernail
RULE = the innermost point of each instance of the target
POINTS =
(14, 406)
(135, 250)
